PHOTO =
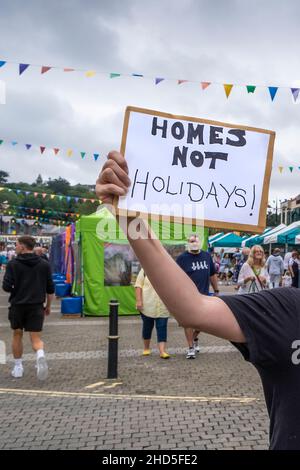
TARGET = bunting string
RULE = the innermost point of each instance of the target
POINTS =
(41, 148)
(228, 87)
(288, 168)
(39, 211)
(44, 195)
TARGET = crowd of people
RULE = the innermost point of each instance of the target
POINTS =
(251, 270)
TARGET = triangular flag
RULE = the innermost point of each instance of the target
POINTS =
(137, 75)
(250, 88)
(60, 197)
(291, 168)
(45, 69)
(204, 85)
(14, 142)
(158, 80)
(280, 168)
(44, 195)
(114, 75)
(92, 201)
(35, 194)
(96, 156)
(69, 152)
(76, 199)
(84, 199)
(227, 88)
(295, 93)
(42, 149)
(179, 82)
(2, 62)
(90, 73)
(82, 154)
(272, 91)
(27, 192)
(1, 142)
(43, 211)
(28, 146)
(68, 198)
(52, 196)
(68, 69)
(56, 151)
(22, 68)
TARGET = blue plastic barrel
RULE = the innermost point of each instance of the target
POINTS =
(71, 305)
(62, 289)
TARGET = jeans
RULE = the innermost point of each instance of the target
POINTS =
(161, 328)
(274, 280)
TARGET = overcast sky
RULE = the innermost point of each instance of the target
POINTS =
(225, 41)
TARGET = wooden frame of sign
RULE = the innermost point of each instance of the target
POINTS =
(207, 223)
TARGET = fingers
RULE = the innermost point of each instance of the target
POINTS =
(119, 159)
(113, 179)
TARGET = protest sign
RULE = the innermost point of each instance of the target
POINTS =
(185, 167)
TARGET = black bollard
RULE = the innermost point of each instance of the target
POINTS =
(112, 368)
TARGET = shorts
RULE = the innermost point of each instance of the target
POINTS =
(28, 317)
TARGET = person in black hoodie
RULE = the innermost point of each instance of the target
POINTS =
(28, 279)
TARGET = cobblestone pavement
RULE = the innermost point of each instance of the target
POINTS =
(212, 402)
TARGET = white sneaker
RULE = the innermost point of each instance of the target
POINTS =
(17, 372)
(196, 346)
(42, 368)
(190, 354)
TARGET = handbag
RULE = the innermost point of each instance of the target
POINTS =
(253, 286)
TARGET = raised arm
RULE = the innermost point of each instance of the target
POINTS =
(174, 287)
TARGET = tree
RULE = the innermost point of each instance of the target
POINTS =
(59, 185)
(39, 181)
(3, 176)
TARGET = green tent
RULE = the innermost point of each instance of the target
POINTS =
(105, 265)
(229, 240)
(289, 236)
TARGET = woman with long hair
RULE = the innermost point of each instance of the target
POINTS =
(253, 275)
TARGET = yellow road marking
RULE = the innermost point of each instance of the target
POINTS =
(95, 385)
(113, 385)
(58, 394)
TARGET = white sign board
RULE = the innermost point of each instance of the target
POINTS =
(197, 169)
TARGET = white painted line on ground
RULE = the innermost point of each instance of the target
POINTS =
(57, 394)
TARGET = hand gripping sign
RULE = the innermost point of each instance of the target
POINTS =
(185, 168)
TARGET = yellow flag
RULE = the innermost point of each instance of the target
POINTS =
(90, 73)
(69, 152)
(227, 88)
(280, 168)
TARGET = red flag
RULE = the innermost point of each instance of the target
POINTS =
(56, 151)
(45, 69)
(42, 149)
(204, 85)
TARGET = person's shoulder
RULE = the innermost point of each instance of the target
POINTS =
(12, 262)
(182, 256)
(43, 262)
(204, 254)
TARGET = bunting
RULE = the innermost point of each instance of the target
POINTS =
(43, 211)
(291, 168)
(51, 195)
(250, 89)
(43, 149)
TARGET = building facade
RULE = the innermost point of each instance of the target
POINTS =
(290, 210)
